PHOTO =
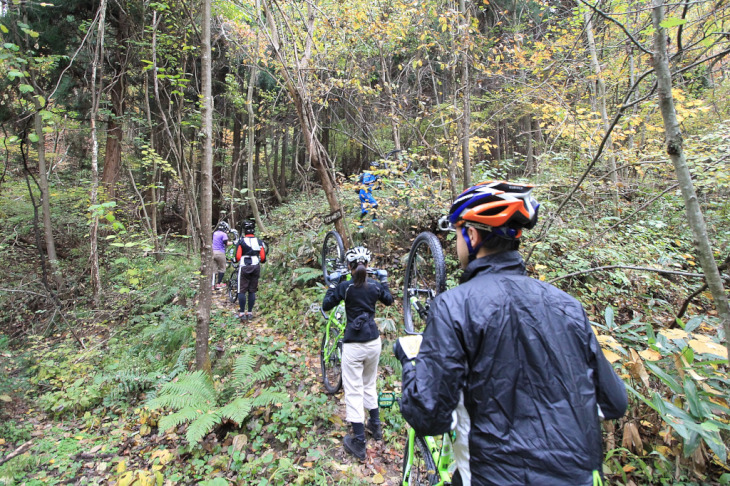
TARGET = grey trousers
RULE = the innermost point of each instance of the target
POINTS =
(359, 374)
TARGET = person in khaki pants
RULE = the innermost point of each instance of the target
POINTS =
(361, 346)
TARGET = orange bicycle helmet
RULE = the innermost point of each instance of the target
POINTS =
(491, 204)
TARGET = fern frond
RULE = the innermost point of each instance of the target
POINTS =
(191, 390)
(243, 368)
(187, 414)
(181, 365)
(264, 373)
(200, 427)
(268, 397)
(237, 410)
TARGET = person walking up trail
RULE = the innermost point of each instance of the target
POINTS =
(512, 358)
(361, 346)
(367, 182)
(220, 242)
(250, 253)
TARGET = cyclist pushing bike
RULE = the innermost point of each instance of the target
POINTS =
(361, 345)
(514, 360)
(368, 180)
(220, 242)
(250, 254)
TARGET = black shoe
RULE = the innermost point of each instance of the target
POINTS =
(355, 446)
(375, 429)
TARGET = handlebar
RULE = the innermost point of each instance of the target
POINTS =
(444, 224)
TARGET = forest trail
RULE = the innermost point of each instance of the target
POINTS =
(383, 463)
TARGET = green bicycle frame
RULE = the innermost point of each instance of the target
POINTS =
(443, 455)
(336, 324)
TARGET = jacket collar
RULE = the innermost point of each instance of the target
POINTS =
(505, 262)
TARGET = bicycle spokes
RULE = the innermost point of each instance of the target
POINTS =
(425, 278)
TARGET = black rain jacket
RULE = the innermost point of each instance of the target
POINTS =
(531, 371)
(360, 307)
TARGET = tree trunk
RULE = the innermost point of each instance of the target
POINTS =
(466, 89)
(385, 73)
(675, 150)
(236, 157)
(269, 175)
(282, 163)
(601, 101)
(113, 155)
(251, 193)
(153, 207)
(299, 92)
(45, 199)
(202, 358)
(96, 64)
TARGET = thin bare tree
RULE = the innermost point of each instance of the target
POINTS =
(675, 151)
(202, 329)
(97, 65)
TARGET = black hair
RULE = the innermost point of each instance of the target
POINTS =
(498, 244)
(359, 274)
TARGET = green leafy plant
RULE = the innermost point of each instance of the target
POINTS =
(194, 398)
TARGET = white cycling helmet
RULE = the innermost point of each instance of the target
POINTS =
(359, 254)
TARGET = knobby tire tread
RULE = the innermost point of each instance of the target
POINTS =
(335, 387)
(335, 238)
(434, 246)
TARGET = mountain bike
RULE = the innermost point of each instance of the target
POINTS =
(333, 254)
(232, 287)
(330, 354)
(424, 279)
(426, 460)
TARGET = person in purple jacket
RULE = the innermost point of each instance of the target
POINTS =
(220, 242)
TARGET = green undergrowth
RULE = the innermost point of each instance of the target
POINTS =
(138, 351)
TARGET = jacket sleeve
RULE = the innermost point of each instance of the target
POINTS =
(385, 296)
(610, 389)
(432, 382)
(332, 298)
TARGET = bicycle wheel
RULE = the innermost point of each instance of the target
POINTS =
(330, 357)
(419, 468)
(333, 253)
(425, 278)
(233, 286)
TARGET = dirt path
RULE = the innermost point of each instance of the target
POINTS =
(384, 459)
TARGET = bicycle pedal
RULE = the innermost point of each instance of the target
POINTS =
(386, 399)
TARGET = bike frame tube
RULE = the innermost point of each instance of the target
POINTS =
(332, 321)
(410, 444)
(443, 456)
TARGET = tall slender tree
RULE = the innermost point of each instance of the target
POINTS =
(675, 150)
(97, 65)
(202, 329)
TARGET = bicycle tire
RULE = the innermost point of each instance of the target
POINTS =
(333, 253)
(233, 286)
(424, 279)
(422, 470)
(330, 357)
